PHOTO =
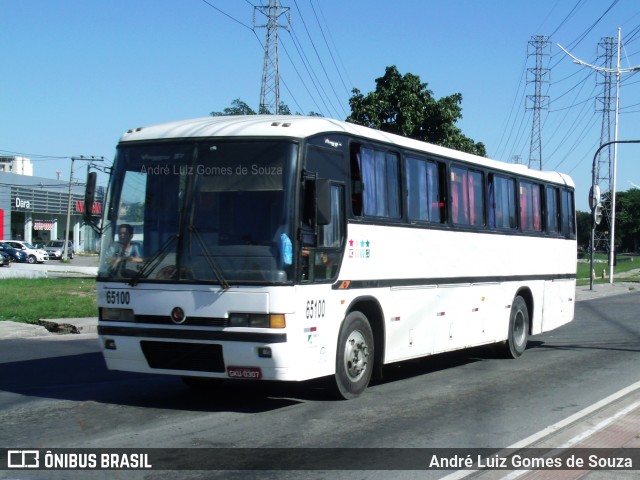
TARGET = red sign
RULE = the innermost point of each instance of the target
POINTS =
(96, 210)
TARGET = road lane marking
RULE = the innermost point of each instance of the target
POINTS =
(562, 424)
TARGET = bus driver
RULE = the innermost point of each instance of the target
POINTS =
(123, 249)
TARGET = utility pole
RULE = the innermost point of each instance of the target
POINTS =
(538, 75)
(618, 72)
(65, 256)
(270, 89)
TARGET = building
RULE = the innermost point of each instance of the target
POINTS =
(34, 210)
(19, 165)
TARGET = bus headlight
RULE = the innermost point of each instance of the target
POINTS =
(257, 320)
(117, 315)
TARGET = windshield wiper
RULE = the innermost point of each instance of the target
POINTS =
(156, 259)
(213, 265)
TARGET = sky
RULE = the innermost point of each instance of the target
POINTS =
(76, 74)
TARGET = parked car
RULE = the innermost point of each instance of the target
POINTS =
(33, 254)
(16, 255)
(4, 259)
(55, 249)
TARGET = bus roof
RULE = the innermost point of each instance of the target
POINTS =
(295, 126)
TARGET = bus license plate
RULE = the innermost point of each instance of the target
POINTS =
(245, 373)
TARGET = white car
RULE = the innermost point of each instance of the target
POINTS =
(33, 254)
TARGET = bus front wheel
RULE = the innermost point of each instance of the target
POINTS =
(354, 358)
(518, 337)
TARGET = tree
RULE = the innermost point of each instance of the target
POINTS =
(628, 220)
(584, 221)
(239, 107)
(403, 105)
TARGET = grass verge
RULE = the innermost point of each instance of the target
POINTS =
(30, 300)
(627, 266)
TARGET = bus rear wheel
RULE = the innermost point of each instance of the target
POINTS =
(518, 337)
(354, 358)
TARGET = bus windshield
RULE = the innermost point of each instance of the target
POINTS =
(205, 211)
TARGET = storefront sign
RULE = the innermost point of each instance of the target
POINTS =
(42, 225)
(19, 203)
(96, 210)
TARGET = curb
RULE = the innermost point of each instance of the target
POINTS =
(49, 327)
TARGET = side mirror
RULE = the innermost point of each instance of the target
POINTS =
(89, 196)
(317, 202)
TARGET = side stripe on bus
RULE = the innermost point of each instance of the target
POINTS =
(415, 282)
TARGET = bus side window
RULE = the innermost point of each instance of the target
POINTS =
(356, 181)
(553, 210)
(424, 190)
(331, 235)
(375, 183)
(530, 207)
(467, 197)
(502, 202)
(321, 263)
(567, 214)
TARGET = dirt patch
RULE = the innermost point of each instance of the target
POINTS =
(59, 328)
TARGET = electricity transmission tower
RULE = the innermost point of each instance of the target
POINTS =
(605, 104)
(539, 47)
(270, 89)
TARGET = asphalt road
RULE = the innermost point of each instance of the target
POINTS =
(55, 392)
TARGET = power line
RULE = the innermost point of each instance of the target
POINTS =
(34, 156)
(328, 48)
(313, 77)
(335, 48)
(319, 58)
(227, 15)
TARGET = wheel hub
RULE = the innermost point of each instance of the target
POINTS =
(356, 355)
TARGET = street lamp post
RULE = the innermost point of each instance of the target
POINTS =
(594, 206)
(65, 256)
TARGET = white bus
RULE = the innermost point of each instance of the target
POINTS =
(291, 248)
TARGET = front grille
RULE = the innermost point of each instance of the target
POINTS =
(184, 356)
(193, 321)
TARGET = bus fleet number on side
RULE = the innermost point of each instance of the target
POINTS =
(115, 297)
(315, 308)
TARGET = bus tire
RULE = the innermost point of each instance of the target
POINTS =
(518, 337)
(354, 357)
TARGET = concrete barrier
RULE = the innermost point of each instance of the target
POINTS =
(27, 270)
(10, 272)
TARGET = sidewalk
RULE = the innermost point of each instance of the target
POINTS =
(50, 269)
(9, 329)
(605, 290)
